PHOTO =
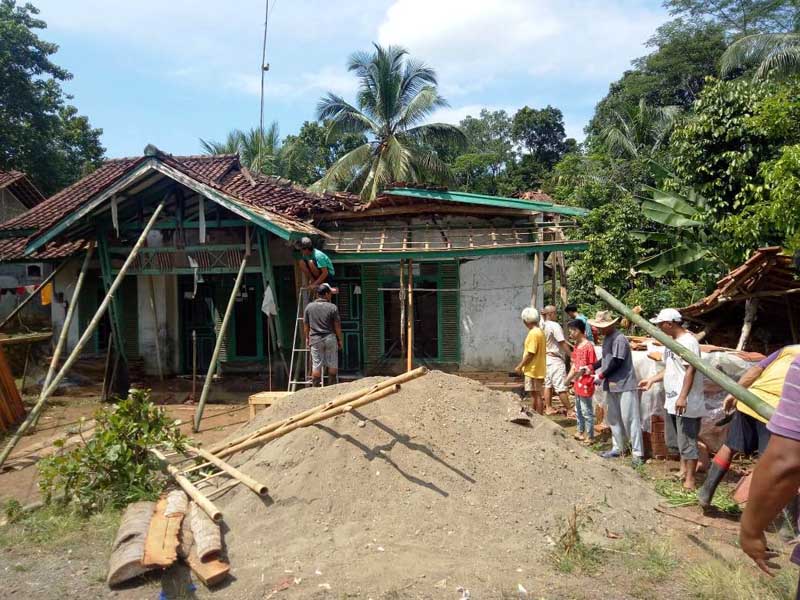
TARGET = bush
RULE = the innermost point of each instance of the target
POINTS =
(115, 466)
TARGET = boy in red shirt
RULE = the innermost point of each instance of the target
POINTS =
(582, 373)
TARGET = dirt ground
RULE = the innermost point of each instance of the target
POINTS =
(429, 493)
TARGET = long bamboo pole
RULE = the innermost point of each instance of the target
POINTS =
(64, 334)
(258, 488)
(339, 401)
(208, 507)
(410, 325)
(311, 420)
(87, 334)
(726, 383)
(198, 415)
(32, 295)
(154, 310)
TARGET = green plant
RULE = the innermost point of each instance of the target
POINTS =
(715, 580)
(571, 553)
(678, 497)
(115, 466)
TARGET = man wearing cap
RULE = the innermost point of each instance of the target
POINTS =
(615, 371)
(316, 265)
(683, 388)
(323, 330)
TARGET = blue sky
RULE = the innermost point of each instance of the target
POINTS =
(169, 72)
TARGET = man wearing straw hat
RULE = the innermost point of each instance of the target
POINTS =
(615, 372)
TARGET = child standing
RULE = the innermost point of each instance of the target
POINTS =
(582, 374)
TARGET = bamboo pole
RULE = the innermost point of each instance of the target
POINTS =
(32, 295)
(726, 383)
(311, 420)
(410, 333)
(343, 399)
(155, 320)
(87, 334)
(187, 486)
(258, 488)
(218, 345)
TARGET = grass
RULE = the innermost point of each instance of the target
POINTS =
(676, 497)
(571, 553)
(715, 580)
(56, 526)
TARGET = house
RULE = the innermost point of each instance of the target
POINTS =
(17, 195)
(476, 261)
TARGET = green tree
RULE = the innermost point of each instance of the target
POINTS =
(259, 153)
(540, 133)
(307, 156)
(773, 54)
(396, 95)
(640, 132)
(740, 17)
(40, 133)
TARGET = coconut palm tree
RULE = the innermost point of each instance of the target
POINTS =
(776, 54)
(259, 153)
(396, 95)
(641, 131)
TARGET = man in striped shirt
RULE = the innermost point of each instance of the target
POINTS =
(777, 475)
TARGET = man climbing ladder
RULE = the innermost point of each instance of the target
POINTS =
(323, 332)
(315, 265)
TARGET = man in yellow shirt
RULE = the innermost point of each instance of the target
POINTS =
(748, 431)
(533, 364)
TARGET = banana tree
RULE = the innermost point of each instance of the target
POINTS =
(691, 243)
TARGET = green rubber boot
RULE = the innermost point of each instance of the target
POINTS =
(706, 493)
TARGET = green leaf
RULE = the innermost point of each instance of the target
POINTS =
(666, 216)
(672, 259)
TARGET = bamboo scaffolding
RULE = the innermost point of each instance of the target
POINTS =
(258, 488)
(198, 415)
(726, 383)
(87, 335)
(187, 486)
(311, 420)
(343, 399)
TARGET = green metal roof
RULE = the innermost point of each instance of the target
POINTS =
(483, 200)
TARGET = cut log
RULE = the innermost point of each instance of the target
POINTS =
(205, 533)
(161, 544)
(187, 539)
(128, 547)
(177, 504)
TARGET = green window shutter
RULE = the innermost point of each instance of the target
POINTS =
(449, 317)
(128, 302)
(372, 321)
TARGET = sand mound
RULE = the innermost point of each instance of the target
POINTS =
(417, 494)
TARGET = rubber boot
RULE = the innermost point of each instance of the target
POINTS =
(706, 493)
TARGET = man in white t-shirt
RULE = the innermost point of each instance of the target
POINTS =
(555, 379)
(683, 387)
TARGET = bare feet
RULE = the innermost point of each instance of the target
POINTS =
(550, 411)
(579, 436)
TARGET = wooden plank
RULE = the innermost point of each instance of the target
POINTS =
(161, 544)
(211, 572)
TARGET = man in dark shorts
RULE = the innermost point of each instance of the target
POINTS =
(748, 432)
(323, 330)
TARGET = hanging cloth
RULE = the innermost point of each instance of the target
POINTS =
(196, 273)
(201, 216)
(268, 305)
(47, 294)
(115, 214)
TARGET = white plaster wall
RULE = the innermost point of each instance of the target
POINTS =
(164, 287)
(64, 283)
(494, 290)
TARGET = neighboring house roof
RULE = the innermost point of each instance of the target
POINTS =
(536, 196)
(768, 275)
(22, 187)
(268, 200)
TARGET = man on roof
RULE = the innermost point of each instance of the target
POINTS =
(315, 265)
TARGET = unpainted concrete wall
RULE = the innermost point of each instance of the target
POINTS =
(166, 303)
(494, 290)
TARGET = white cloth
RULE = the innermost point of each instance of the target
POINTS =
(115, 213)
(268, 306)
(196, 272)
(556, 374)
(553, 336)
(201, 220)
(674, 375)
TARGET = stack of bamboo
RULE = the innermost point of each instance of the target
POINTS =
(12, 411)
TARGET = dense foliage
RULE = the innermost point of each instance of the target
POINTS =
(40, 132)
(113, 467)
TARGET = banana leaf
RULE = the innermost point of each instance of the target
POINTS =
(672, 259)
(684, 205)
(665, 215)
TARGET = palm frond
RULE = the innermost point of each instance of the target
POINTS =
(343, 117)
(773, 52)
(419, 107)
(344, 170)
(431, 133)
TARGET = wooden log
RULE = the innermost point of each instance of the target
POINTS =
(218, 345)
(205, 533)
(85, 337)
(177, 503)
(311, 420)
(161, 543)
(128, 547)
(343, 399)
(258, 488)
(750, 311)
(210, 572)
(188, 487)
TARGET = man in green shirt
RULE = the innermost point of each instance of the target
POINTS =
(316, 265)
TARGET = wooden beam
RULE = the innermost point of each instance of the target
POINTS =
(87, 334)
(208, 507)
(410, 333)
(217, 346)
(108, 276)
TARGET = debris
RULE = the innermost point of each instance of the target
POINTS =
(161, 543)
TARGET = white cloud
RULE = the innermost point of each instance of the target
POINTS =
(456, 114)
(474, 41)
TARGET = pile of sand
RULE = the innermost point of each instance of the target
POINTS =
(417, 494)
